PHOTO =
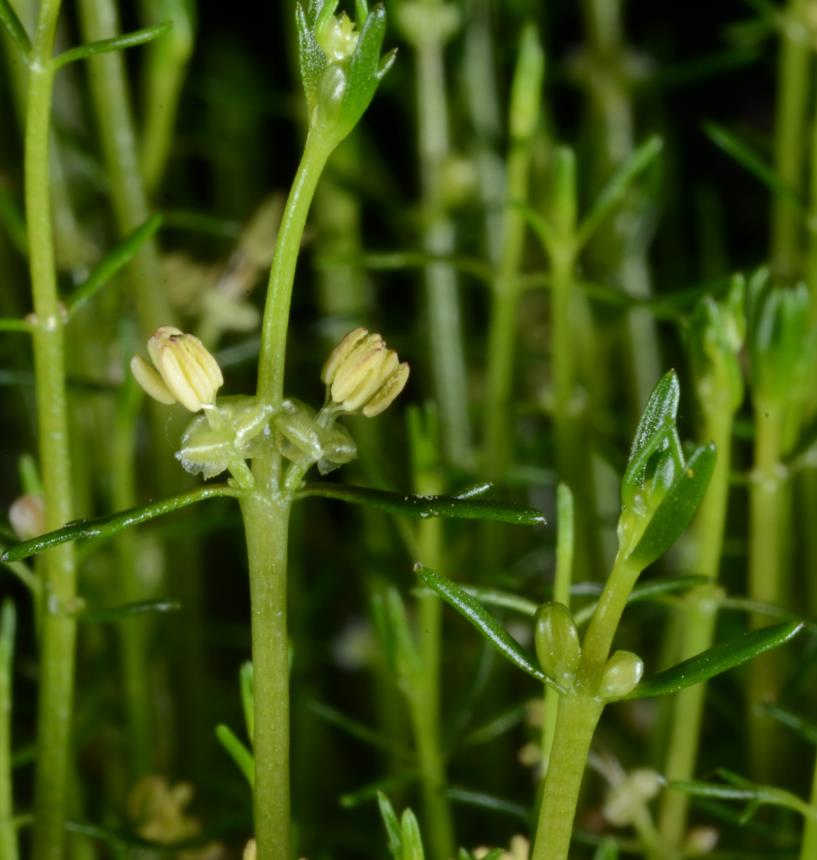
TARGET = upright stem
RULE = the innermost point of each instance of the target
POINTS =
(426, 701)
(579, 713)
(282, 273)
(699, 617)
(266, 523)
(809, 846)
(447, 353)
(790, 136)
(768, 513)
(58, 630)
(8, 833)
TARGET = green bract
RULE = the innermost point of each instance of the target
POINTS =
(340, 66)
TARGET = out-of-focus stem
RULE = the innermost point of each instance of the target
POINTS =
(790, 137)
(699, 617)
(809, 846)
(58, 630)
(617, 240)
(446, 352)
(768, 524)
(8, 834)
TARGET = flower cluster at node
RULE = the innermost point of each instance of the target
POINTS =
(183, 370)
(363, 375)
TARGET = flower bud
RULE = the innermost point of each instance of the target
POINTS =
(27, 516)
(250, 851)
(621, 675)
(337, 38)
(183, 370)
(557, 643)
(363, 375)
(701, 840)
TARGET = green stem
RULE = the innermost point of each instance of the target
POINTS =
(426, 701)
(447, 353)
(790, 135)
(502, 333)
(699, 617)
(578, 716)
(809, 846)
(58, 630)
(768, 524)
(282, 273)
(8, 834)
(266, 524)
(579, 713)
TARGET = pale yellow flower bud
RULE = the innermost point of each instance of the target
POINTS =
(362, 374)
(249, 850)
(338, 38)
(183, 370)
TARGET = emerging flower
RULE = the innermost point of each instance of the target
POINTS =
(362, 374)
(27, 516)
(183, 370)
(338, 38)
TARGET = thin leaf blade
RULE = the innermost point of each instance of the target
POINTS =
(426, 507)
(716, 660)
(472, 610)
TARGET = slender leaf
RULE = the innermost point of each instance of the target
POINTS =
(15, 29)
(807, 729)
(747, 158)
(357, 730)
(23, 326)
(720, 658)
(661, 411)
(608, 850)
(426, 507)
(391, 824)
(677, 508)
(738, 788)
(105, 527)
(365, 793)
(237, 751)
(411, 838)
(487, 624)
(126, 610)
(117, 43)
(617, 186)
(117, 258)
(488, 801)
(649, 591)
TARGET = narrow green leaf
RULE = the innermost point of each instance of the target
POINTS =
(15, 29)
(237, 751)
(105, 527)
(391, 824)
(364, 794)
(358, 730)
(608, 850)
(539, 224)
(23, 326)
(488, 801)
(617, 186)
(411, 838)
(738, 788)
(426, 507)
(117, 43)
(487, 624)
(117, 258)
(720, 658)
(747, 158)
(807, 729)
(126, 610)
(677, 508)
(649, 591)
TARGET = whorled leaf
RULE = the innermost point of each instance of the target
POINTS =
(462, 507)
(489, 626)
(716, 660)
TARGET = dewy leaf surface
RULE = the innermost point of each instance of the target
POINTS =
(716, 660)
